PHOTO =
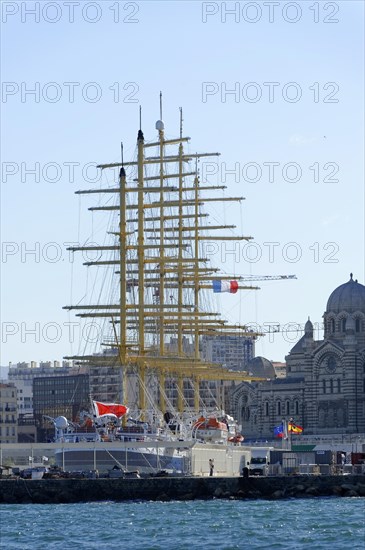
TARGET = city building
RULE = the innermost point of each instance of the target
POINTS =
(55, 396)
(8, 413)
(233, 352)
(23, 374)
(324, 387)
(106, 383)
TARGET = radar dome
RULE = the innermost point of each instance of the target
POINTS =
(61, 423)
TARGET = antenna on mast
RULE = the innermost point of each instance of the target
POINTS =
(122, 171)
(140, 133)
(159, 124)
(181, 122)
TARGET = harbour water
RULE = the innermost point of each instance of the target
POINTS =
(333, 523)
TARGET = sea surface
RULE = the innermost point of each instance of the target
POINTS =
(218, 524)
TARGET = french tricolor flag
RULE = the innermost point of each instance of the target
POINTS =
(225, 286)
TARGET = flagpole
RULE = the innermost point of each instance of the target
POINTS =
(289, 434)
(285, 434)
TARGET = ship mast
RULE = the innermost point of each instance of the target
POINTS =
(162, 263)
(123, 264)
(161, 288)
(140, 238)
(180, 237)
(196, 244)
(141, 264)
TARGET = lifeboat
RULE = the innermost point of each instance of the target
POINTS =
(210, 429)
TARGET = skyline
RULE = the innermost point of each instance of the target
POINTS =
(281, 99)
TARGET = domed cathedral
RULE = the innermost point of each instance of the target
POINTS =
(324, 387)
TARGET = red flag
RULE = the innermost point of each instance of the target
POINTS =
(110, 408)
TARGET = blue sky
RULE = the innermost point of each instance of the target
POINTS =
(314, 227)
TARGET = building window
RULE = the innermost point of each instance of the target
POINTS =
(331, 385)
(287, 411)
(323, 386)
(296, 406)
(332, 324)
(338, 385)
(279, 408)
(357, 325)
(343, 324)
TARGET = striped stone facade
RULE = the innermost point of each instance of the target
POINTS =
(324, 387)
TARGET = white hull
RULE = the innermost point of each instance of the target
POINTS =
(181, 457)
(145, 456)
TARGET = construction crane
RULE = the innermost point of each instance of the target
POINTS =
(265, 277)
(272, 328)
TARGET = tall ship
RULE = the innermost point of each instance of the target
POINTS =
(156, 303)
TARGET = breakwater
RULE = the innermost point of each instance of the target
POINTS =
(47, 491)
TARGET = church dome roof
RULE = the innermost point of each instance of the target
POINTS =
(349, 297)
(259, 366)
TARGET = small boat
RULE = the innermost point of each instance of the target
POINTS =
(210, 429)
(33, 473)
(37, 473)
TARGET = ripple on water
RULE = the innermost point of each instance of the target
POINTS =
(217, 524)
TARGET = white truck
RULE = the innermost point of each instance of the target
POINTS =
(259, 461)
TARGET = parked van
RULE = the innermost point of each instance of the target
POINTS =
(259, 461)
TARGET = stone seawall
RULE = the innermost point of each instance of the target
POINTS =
(47, 491)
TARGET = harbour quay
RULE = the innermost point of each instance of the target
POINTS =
(48, 491)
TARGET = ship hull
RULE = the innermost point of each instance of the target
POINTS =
(145, 460)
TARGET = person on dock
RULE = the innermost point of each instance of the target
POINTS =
(211, 466)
